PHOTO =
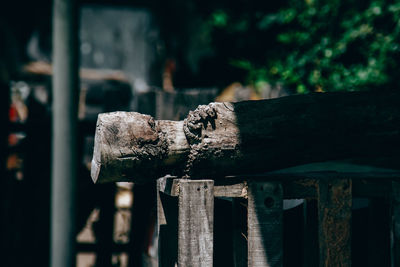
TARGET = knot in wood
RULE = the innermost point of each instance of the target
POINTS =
(197, 120)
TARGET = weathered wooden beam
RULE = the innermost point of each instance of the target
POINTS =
(130, 146)
(222, 139)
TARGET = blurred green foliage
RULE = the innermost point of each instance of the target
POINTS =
(310, 45)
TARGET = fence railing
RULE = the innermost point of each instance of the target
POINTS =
(186, 213)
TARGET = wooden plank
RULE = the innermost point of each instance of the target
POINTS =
(395, 225)
(264, 222)
(233, 190)
(293, 188)
(196, 223)
(304, 185)
(161, 220)
(168, 185)
(334, 207)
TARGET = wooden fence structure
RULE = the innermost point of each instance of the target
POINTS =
(223, 139)
(264, 195)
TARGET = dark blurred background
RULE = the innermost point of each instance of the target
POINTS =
(130, 51)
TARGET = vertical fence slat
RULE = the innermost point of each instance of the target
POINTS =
(196, 223)
(334, 207)
(264, 222)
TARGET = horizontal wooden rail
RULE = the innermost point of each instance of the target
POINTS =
(222, 139)
(296, 185)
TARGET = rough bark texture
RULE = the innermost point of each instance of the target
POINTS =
(247, 137)
(132, 146)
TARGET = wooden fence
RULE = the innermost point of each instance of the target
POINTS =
(186, 216)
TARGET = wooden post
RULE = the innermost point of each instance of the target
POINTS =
(64, 124)
(334, 207)
(196, 223)
(395, 231)
(264, 222)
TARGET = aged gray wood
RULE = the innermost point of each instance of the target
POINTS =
(334, 208)
(196, 223)
(161, 220)
(395, 226)
(232, 190)
(297, 185)
(222, 139)
(130, 146)
(170, 185)
(264, 222)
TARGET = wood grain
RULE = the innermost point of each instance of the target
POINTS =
(196, 223)
(264, 222)
(222, 139)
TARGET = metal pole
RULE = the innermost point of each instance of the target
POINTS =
(64, 132)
